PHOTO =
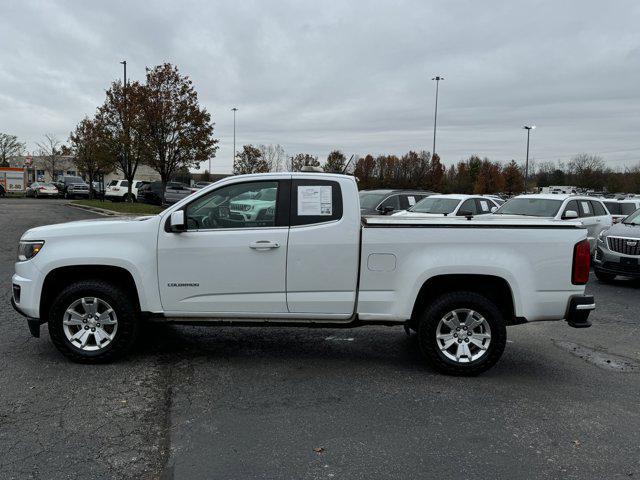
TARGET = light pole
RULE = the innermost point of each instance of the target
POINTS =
(234, 110)
(124, 124)
(528, 128)
(435, 116)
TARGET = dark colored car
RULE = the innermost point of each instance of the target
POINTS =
(176, 191)
(385, 202)
(70, 186)
(151, 193)
(2, 191)
(618, 250)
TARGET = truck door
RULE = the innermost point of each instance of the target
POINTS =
(324, 247)
(232, 257)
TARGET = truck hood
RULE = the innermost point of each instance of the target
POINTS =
(86, 227)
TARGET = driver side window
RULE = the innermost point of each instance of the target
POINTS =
(243, 205)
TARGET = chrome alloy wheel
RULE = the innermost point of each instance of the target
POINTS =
(90, 324)
(463, 335)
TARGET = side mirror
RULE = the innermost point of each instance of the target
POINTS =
(177, 221)
(464, 213)
(570, 214)
(494, 209)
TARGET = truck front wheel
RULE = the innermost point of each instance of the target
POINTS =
(93, 321)
(462, 333)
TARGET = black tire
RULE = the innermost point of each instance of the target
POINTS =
(123, 305)
(604, 277)
(448, 302)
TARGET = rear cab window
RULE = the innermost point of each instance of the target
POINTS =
(316, 201)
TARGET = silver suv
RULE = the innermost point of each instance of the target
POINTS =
(618, 250)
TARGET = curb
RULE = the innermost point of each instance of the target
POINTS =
(102, 211)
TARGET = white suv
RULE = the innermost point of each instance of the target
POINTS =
(119, 190)
(589, 210)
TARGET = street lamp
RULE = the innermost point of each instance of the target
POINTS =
(528, 128)
(435, 117)
(234, 110)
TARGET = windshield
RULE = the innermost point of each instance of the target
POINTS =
(435, 205)
(633, 219)
(531, 207)
(371, 200)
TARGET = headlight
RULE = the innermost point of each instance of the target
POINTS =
(602, 235)
(29, 249)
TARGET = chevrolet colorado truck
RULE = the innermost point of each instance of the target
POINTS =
(310, 260)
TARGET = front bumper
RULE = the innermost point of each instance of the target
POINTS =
(606, 261)
(33, 323)
(578, 311)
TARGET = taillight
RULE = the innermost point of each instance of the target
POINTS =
(581, 263)
(42, 189)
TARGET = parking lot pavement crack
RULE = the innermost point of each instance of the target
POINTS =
(599, 358)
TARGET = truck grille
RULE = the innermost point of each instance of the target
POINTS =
(626, 246)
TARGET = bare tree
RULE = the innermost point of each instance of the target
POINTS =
(275, 157)
(9, 147)
(49, 148)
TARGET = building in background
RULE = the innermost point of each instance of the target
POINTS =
(38, 169)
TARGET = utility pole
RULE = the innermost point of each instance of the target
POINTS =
(435, 117)
(528, 128)
(124, 124)
(234, 110)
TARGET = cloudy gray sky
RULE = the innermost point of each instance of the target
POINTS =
(318, 75)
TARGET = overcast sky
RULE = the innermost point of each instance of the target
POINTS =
(355, 75)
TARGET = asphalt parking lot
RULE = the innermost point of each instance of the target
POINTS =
(195, 403)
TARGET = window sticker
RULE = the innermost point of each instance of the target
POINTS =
(411, 200)
(484, 205)
(314, 200)
(585, 207)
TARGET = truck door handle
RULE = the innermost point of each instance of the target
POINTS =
(263, 245)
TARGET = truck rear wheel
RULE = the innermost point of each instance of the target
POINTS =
(93, 321)
(462, 333)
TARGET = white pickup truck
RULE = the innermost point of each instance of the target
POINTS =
(310, 260)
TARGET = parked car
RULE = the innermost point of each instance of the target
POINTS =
(385, 202)
(450, 204)
(618, 250)
(2, 191)
(620, 209)
(176, 191)
(41, 189)
(496, 199)
(151, 193)
(199, 185)
(118, 190)
(315, 262)
(70, 186)
(591, 212)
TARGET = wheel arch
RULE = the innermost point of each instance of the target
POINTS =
(493, 287)
(58, 278)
